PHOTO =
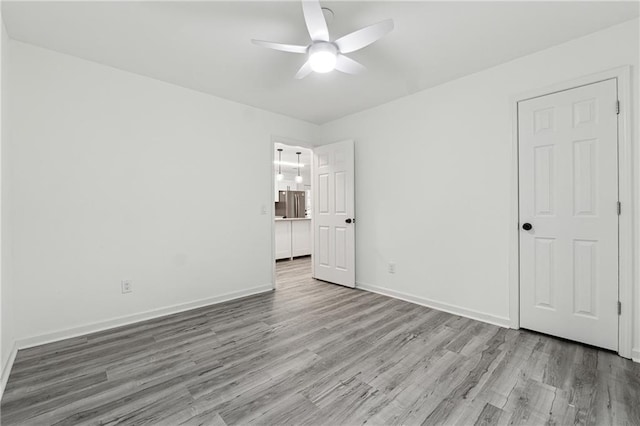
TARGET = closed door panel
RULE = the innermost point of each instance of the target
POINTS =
(568, 177)
(333, 216)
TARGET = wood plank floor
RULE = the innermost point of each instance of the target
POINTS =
(315, 353)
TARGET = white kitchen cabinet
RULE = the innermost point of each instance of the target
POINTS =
(293, 238)
(283, 239)
(300, 237)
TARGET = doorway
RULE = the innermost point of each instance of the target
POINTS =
(569, 209)
(292, 198)
(323, 181)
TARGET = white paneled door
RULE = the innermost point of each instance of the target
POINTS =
(568, 167)
(333, 213)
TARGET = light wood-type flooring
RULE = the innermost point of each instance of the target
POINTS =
(312, 353)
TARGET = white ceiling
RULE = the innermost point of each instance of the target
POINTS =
(206, 45)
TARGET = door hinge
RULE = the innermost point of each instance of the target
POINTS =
(617, 107)
(619, 208)
(619, 308)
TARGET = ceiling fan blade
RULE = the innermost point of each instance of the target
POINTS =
(281, 46)
(364, 36)
(314, 18)
(348, 65)
(304, 71)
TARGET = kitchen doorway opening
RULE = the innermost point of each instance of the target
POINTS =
(292, 228)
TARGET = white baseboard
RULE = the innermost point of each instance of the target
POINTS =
(635, 354)
(440, 306)
(6, 369)
(130, 319)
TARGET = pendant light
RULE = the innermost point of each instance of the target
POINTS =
(298, 178)
(279, 176)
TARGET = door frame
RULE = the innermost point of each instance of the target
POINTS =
(625, 196)
(272, 216)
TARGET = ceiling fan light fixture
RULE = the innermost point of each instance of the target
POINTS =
(323, 57)
(323, 54)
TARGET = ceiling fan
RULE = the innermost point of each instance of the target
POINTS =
(323, 54)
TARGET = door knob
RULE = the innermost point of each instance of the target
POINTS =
(348, 220)
(527, 226)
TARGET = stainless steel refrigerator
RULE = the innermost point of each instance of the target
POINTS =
(291, 204)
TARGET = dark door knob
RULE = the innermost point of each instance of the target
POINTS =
(527, 226)
(348, 220)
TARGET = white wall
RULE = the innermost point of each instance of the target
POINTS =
(7, 324)
(433, 176)
(115, 175)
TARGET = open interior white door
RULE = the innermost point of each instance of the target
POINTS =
(333, 213)
(568, 214)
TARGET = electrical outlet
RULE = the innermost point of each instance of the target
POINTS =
(392, 267)
(127, 286)
(263, 209)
